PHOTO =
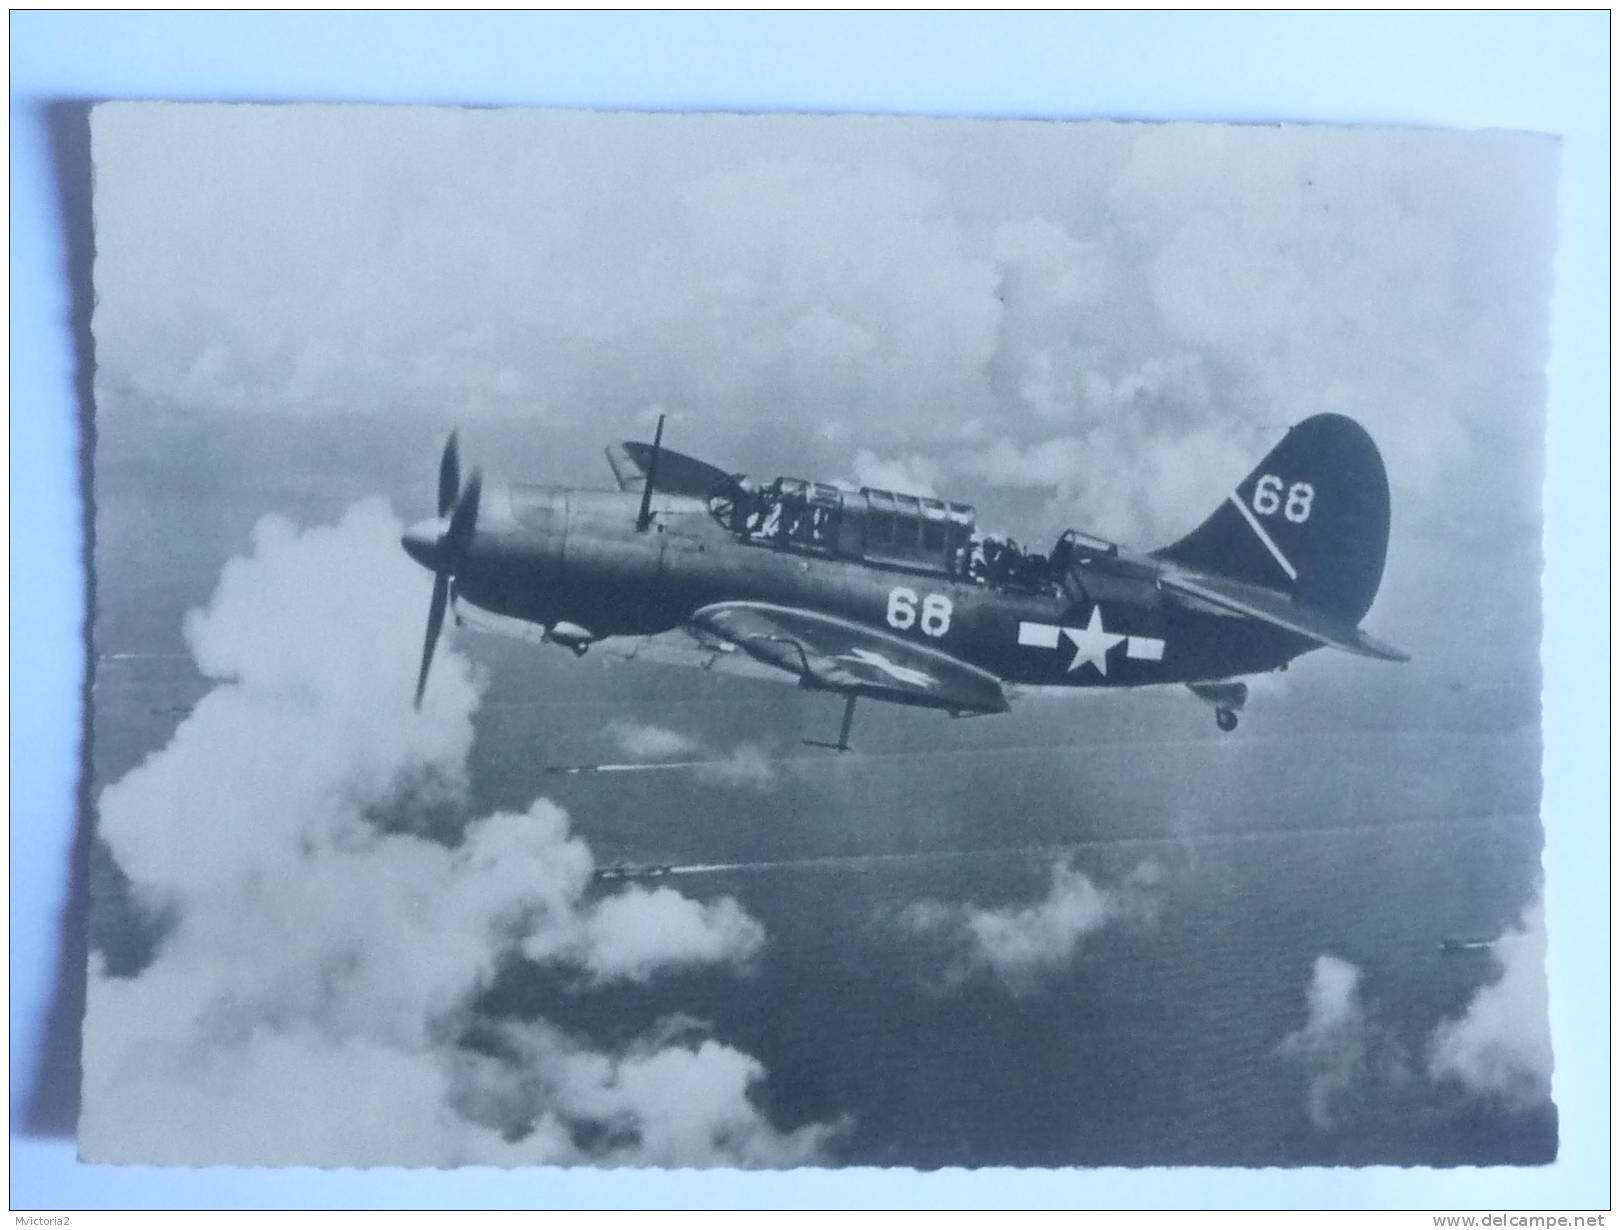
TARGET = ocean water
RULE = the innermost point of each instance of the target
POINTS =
(1367, 822)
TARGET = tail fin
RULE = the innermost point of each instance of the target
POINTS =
(1311, 520)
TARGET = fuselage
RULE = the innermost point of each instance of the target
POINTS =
(553, 555)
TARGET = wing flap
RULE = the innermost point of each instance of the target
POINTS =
(838, 655)
(1200, 591)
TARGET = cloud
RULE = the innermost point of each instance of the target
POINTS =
(1332, 1044)
(427, 250)
(648, 742)
(1019, 944)
(1500, 1045)
(912, 475)
(638, 933)
(1355, 1067)
(1349, 1061)
(674, 1101)
(335, 918)
(691, 1105)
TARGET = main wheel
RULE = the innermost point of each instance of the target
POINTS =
(1226, 719)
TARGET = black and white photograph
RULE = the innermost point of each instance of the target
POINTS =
(772, 641)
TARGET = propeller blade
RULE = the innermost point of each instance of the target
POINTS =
(449, 474)
(462, 505)
(463, 521)
(441, 587)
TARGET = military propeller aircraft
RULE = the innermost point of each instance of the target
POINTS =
(893, 597)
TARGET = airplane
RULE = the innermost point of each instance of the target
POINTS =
(886, 596)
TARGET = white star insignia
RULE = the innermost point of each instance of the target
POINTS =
(1092, 643)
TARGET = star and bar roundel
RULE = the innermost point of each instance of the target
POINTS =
(1089, 643)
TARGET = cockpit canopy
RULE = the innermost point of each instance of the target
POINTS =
(1086, 546)
(885, 526)
(915, 532)
(902, 527)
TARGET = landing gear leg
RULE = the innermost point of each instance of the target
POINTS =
(1226, 719)
(849, 717)
(843, 731)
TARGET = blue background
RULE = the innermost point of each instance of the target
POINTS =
(1547, 72)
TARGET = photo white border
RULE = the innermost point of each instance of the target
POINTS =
(1542, 71)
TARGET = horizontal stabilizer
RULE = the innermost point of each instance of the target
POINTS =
(1257, 602)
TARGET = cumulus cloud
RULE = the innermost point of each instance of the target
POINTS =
(742, 269)
(334, 918)
(673, 1101)
(640, 932)
(1354, 1065)
(1020, 944)
(1348, 1059)
(1331, 1045)
(913, 475)
(1500, 1045)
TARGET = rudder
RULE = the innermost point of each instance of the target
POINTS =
(1311, 520)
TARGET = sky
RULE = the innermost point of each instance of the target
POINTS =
(1098, 325)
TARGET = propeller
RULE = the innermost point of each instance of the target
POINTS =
(449, 474)
(450, 550)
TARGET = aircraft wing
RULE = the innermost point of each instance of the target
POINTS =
(1202, 591)
(677, 474)
(695, 649)
(839, 655)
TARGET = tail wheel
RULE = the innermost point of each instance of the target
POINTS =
(1226, 719)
